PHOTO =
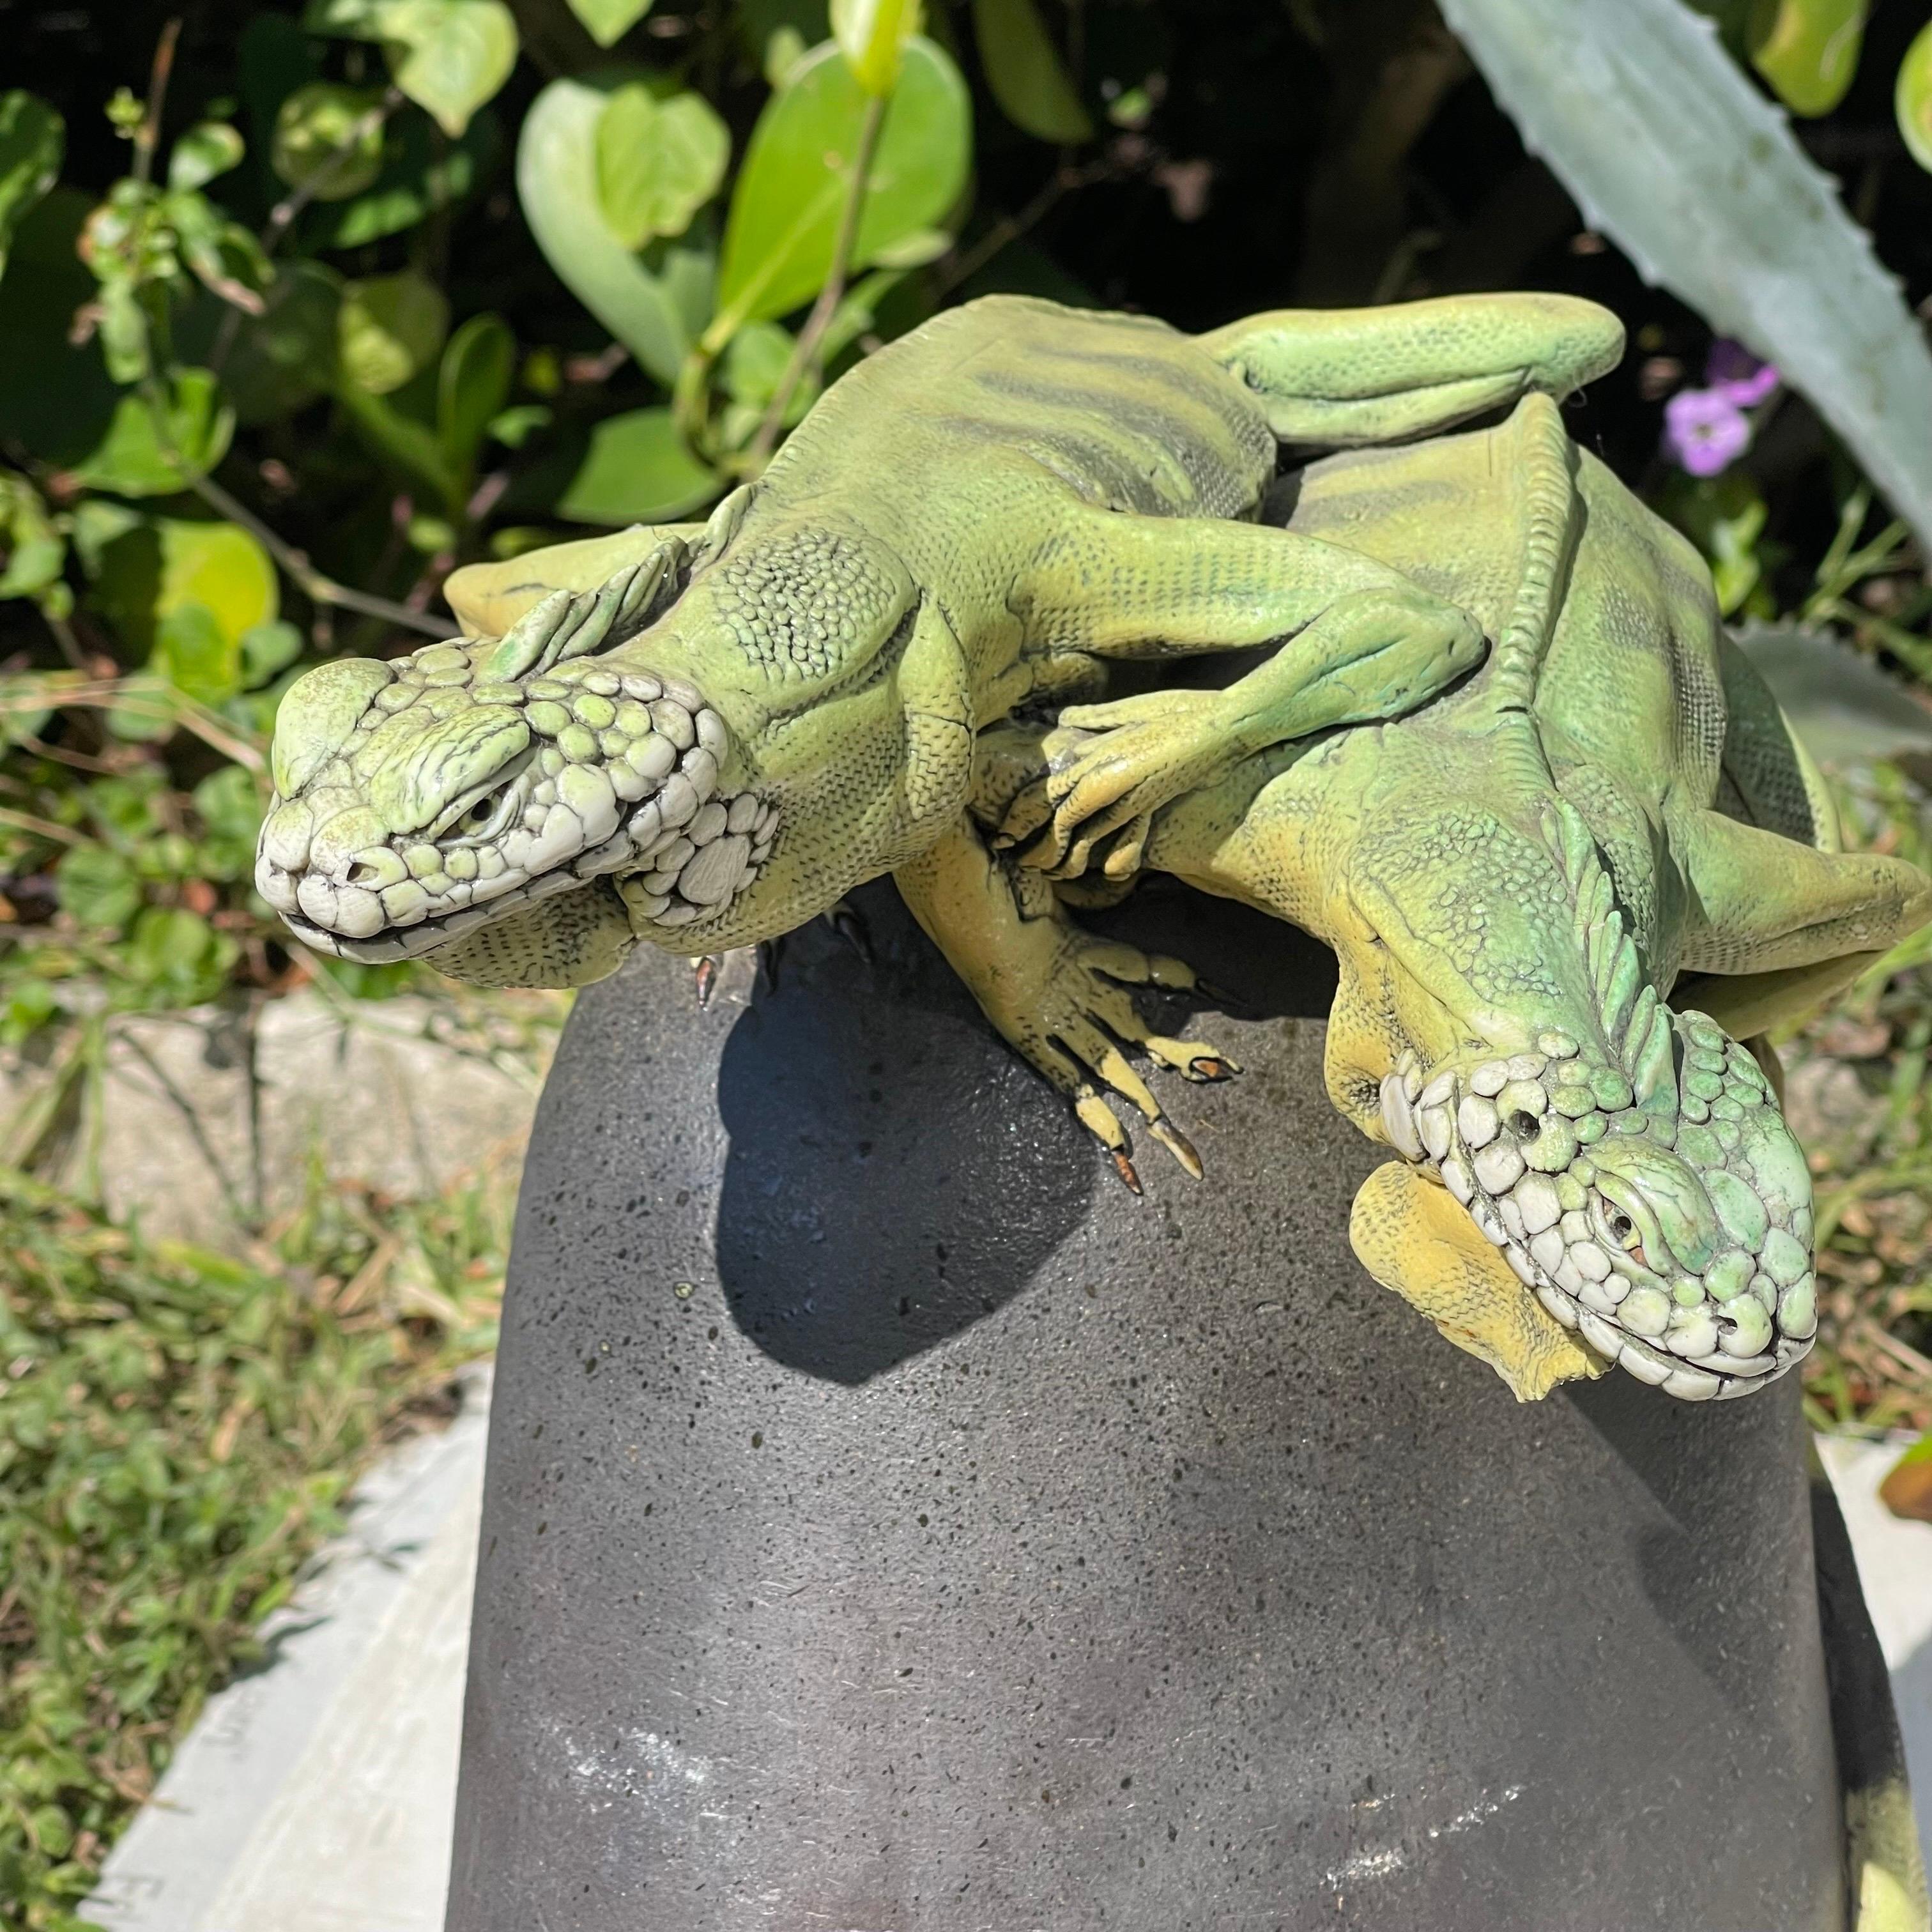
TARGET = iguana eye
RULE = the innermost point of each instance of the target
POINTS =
(487, 818)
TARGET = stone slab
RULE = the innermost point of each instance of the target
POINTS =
(314, 1795)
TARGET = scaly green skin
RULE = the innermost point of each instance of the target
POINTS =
(1513, 879)
(749, 719)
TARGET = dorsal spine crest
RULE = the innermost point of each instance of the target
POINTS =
(1634, 1022)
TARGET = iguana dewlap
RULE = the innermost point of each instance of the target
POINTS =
(1513, 878)
(750, 717)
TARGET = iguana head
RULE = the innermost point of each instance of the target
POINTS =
(1630, 1162)
(1670, 1224)
(417, 799)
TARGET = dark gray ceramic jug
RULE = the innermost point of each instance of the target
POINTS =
(894, 1526)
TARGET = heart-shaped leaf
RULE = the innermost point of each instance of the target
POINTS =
(783, 226)
(193, 654)
(449, 56)
(421, 173)
(458, 53)
(1023, 71)
(32, 137)
(389, 327)
(637, 470)
(328, 142)
(557, 182)
(606, 21)
(658, 161)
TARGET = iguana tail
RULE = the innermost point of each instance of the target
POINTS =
(1343, 378)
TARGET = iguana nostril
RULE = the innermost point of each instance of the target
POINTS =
(1525, 1126)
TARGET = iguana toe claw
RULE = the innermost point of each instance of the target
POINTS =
(1176, 1144)
(705, 979)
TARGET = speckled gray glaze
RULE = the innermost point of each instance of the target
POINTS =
(893, 1526)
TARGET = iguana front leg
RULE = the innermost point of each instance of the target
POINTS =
(1372, 655)
(1055, 993)
(1359, 641)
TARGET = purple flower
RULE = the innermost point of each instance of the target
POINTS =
(1738, 375)
(1704, 430)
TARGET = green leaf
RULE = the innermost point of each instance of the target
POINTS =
(134, 460)
(192, 653)
(658, 161)
(449, 56)
(421, 174)
(32, 551)
(608, 21)
(472, 385)
(218, 567)
(779, 238)
(388, 327)
(872, 35)
(209, 148)
(177, 951)
(146, 710)
(513, 427)
(327, 143)
(1912, 97)
(1807, 49)
(32, 137)
(459, 54)
(1724, 516)
(557, 182)
(98, 887)
(1846, 709)
(1023, 71)
(637, 471)
(267, 649)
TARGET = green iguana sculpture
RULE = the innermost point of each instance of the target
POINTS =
(718, 740)
(1512, 879)
(751, 717)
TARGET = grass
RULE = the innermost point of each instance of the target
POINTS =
(179, 1430)
(1857, 1094)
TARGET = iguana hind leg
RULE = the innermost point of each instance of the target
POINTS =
(1345, 377)
(1767, 904)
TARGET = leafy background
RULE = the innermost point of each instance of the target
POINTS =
(301, 305)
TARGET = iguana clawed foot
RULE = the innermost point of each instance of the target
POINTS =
(1068, 1012)
(1110, 767)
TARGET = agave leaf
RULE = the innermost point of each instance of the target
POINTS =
(1669, 150)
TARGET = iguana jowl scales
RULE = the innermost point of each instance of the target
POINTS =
(748, 718)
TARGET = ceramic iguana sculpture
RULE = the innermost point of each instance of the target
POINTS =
(748, 718)
(1513, 879)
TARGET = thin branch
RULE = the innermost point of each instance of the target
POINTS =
(41, 828)
(805, 355)
(147, 139)
(1008, 229)
(283, 215)
(313, 584)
